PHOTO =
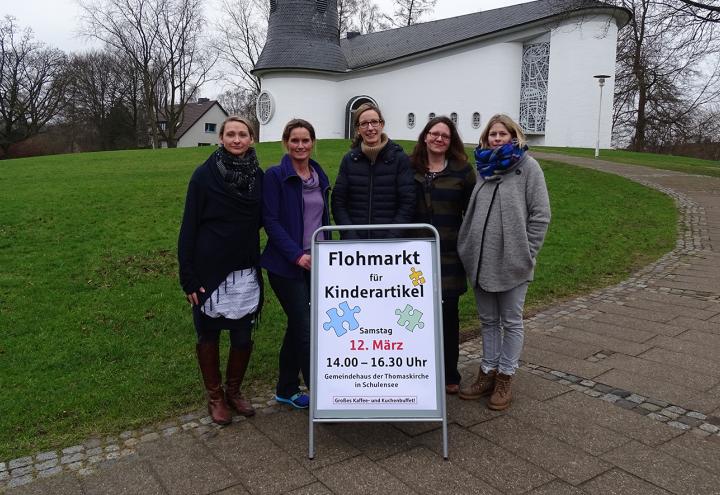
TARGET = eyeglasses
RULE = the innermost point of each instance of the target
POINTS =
(437, 135)
(370, 123)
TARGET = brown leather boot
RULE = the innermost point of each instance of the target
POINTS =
(481, 387)
(208, 356)
(502, 395)
(238, 360)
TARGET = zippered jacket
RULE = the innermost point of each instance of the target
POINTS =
(374, 193)
(283, 217)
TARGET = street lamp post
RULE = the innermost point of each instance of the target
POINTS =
(601, 80)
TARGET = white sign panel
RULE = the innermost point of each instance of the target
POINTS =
(375, 330)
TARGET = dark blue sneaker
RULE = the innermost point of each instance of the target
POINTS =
(298, 401)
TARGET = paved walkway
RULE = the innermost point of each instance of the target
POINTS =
(619, 393)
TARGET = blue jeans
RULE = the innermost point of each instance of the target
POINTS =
(294, 297)
(501, 315)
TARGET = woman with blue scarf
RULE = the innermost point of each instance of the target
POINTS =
(498, 243)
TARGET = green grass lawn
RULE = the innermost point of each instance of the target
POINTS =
(666, 162)
(95, 334)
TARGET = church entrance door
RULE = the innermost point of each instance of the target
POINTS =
(352, 105)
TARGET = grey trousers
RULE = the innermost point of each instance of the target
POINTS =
(501, 316)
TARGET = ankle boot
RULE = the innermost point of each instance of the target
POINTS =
(482, 386)
(208, 355)
(238, 360)
(502, 395)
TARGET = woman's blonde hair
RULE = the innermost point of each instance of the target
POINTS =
(356, 121)
(236, 118)
(513, 128)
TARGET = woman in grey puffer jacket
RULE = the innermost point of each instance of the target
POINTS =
(498, 243)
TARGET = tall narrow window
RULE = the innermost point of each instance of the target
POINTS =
(476, 120)
(454, 118)
(534, 87)
(431, 115)
(411, 120)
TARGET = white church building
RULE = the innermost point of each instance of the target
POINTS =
(534, 61)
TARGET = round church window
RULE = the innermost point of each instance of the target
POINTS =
(431, 115)
(264, 107)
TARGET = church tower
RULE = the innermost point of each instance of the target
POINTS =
(303, 34)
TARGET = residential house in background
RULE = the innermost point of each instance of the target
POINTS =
(200, 125)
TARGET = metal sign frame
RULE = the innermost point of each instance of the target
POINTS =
(378, 415)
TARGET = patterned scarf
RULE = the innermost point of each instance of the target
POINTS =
(497, 161)
(238, 172)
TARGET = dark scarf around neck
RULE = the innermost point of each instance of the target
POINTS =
(238, 172)
(497, 161)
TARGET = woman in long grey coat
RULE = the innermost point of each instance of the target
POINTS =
(502, 233)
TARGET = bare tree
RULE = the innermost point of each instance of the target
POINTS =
(347, 13)
(185, 61)
(240, 101)
(409, 12)
(371, 19)
(667, 69)
(32, 81)
(243, 30)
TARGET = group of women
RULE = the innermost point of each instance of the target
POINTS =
(491, 220)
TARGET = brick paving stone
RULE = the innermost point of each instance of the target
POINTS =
(74, 449)
(40, 466)
(617, 332)
(601, 387)
(654, 315)
(708, 340)
(664, 372)
(626, 404)
(683, 346)
(660, 469)
(649, 406)
(374, 440)
(44, 456)
(700, 452)
(658, 417)
(629, 322)
(552, 343)
(701, 314)
(290, 431)
(687, 362)
(573, 430)
(425, 472)
(18, 472)
(647, 386)
(709, 428)
(57, 485)
(184, 465)
(257, 461)
(124, 477)
(678, 425)
(675, 300)
(19, 462)
(614, 418)
(693, 323)
(562, 460)
(557, 487)
(70, 458)
(485, 460)
(466, 412)
(619, 482)
(312, 489)
(690, 421)
(45, 473)
(360, 476)
(558, 361)
(574, 334)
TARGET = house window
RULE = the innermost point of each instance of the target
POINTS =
(453, 117)
(476, 120)
(210, 127)
(534, 87)
(264, 107)
(162, 125)
(203, 144)
(411, 120)
(431, 115)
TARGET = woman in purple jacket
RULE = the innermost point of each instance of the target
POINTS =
(295, 204)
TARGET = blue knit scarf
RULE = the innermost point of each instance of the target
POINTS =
(497, 161)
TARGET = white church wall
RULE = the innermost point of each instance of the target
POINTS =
(579, 49)
(480, 79)
(308, 96)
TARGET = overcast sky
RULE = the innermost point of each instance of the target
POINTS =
(55, 22)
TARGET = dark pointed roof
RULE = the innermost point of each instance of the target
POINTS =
(193, 112)
(378, 48)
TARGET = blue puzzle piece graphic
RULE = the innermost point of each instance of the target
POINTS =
(341, 323)
(410, 318)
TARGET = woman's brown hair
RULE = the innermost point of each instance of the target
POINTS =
(456, 150)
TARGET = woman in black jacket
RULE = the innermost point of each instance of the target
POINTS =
(375, 182)
(219, 254)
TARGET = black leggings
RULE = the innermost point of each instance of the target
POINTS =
(240, 332)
